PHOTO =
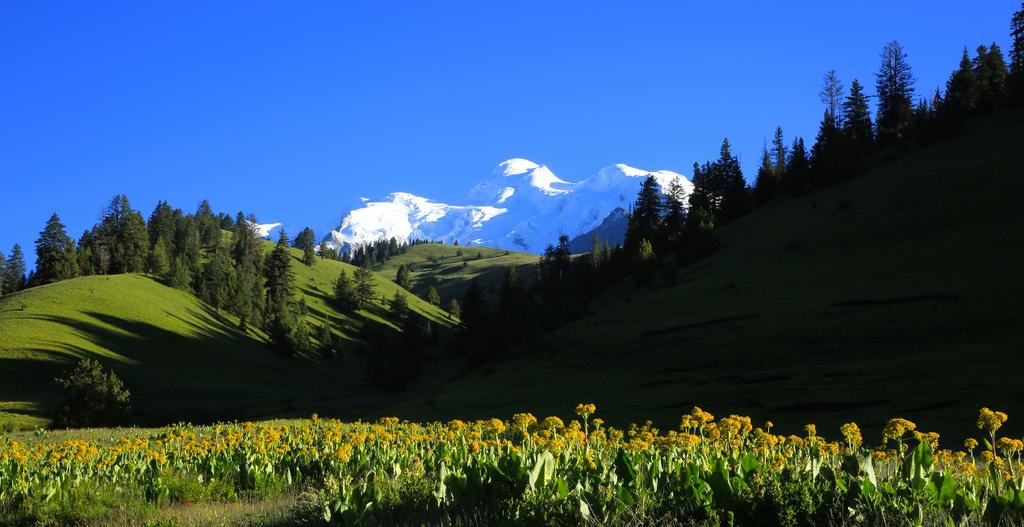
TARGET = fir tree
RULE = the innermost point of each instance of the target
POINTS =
(797, 177)
(208, 225)
(831, 95)
(402, 278)
(779, 151)
(732, 186)
(218, 279)
(345, 293)
(56, 258)
(513, 291)
(364, 286)
(675, 211)
(159, 263)
(180, 276)
(1017, 54)
(645, 217)
(399, 306)
(161, 224)
(433, 297)
(857, 126)
(895, 87)
(306, 241)
(247, 293)
(123, 232)
(766, 182)
(961, 92)
(14, 273)
(279, 281)
(827, 153)
(993, 77)
(454, 309)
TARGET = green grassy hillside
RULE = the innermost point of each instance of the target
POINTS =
(441, 266)
(897, 293)
(180, 358)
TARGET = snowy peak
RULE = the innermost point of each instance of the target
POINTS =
(523, 205)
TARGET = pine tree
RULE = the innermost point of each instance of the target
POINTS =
(306, 241)
(180, 276)
(765, 184)
(513, 291)
(161, 224)
(827, 153)
(208, 225)
(218, 279)
(364, 286)
(645, 217)
(345, 293)
(675, 212)
(56, 258)
(831, 95)
(1017, 54)
(433, 296)
(280, 281)
(992, 77)
(895, 87)
(857, 126)
(797, 177)
(123, 232)
(14, 273)
(961, 92)
(247, 293)
(733, 188)
(159, 263)
(402, 278)
(779, 153)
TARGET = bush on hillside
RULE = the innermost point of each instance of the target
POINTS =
(92, 397)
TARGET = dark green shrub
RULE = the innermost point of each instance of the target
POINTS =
(92, 397)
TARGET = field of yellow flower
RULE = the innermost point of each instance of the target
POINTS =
(537, 471)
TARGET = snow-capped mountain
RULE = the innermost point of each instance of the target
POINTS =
(522, 206)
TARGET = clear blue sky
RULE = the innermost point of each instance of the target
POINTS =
(293, 109)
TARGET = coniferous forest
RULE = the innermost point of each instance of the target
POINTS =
(831, 340)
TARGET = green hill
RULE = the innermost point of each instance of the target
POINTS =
(180, 358)
(450, 268)
(898, 293)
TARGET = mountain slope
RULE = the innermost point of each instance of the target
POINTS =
(450, 268)
(180, 358)
(523, 206)
(894, 294)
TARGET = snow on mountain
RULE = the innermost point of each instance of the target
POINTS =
(266, 228)
(522, 206)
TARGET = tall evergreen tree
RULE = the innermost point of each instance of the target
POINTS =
(90, 255)
(123, 232)
(827, 163)
(798, 168)
(345, 292)
(161, 224)
(180, 276)
(779, 153)
(402, 277)
(857, 126)
(895, 88)
(765, 184)
(733, 188)
(208, 224)
(961, 92)
(218, 279)
(513, 291)
(645, 217)
(306, 241)
(1017, 54)
(363, 277)
(3, 275)
(992, 76)
(247, 294)
(454, 309)
(14, 273)
(831, 95)
(159, 260)
(280, 280)
(56, 258)
(675, 211)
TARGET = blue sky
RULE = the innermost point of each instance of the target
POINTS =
(292, 110)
